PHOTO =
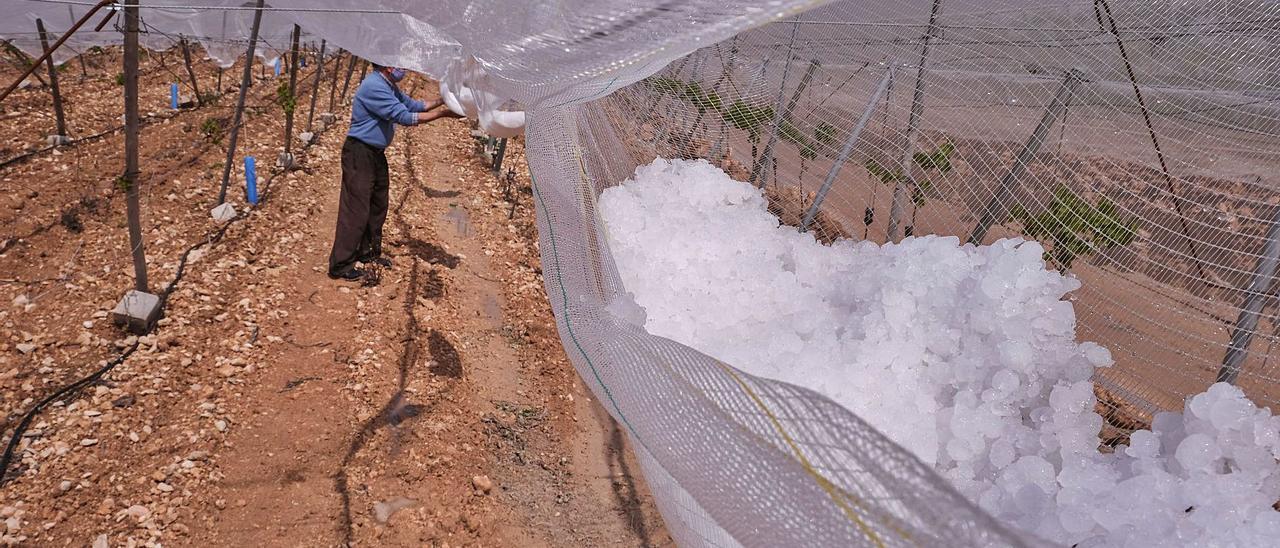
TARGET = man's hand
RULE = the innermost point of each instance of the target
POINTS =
(423, 117)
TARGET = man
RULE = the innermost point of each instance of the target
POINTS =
(362, 208)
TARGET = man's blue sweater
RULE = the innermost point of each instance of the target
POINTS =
(377, 107)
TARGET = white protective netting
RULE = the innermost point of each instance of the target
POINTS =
(1134, 140)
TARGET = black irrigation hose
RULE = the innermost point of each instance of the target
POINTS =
(64, 391)
(145, 120)
(27, 155)
(70, 389)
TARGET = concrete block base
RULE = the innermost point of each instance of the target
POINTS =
(285, 161)
(223, 213)
(57, 140)
(137, 312)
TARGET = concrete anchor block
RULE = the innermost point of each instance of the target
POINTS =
(285, 161)
(137, 312)
(223, 213)
(57, 140)
(306, 137)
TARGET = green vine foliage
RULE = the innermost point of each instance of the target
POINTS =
(825, 135)
(701, 100)
(741, 115)
(286, 100)
(937, 160)
(1072, 227)
(211, 129)
(748, 118)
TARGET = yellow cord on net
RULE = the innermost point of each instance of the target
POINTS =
(837, 495)
(832, 491)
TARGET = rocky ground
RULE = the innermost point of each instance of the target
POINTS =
(273, 405)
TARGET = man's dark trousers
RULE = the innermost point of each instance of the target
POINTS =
(362, 207)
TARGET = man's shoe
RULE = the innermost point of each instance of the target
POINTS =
(380, 261)
(350, 275)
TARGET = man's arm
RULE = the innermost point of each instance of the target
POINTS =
(415, 105)
(385, 103)
(424, 117)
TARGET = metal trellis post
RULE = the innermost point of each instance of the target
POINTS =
(286, 160)
(346, 82)
(897, 204)
(53, 84)
(996, 209)
(364, 69)
(138, 310)
(1112, 29)
(333, 82)
(1255, 298)
(191, 72)
(782, 117)
(130, 178)
(84, 70)
(499, 151)
(846, 150)
(315, 86)
(245, 78)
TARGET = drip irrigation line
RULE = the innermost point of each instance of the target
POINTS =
(28, 155)
(65, 391)
(145, 120)
(69, 390)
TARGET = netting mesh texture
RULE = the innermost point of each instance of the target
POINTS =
(1134, 140)
(1164, 223)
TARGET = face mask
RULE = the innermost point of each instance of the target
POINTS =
(397, 74)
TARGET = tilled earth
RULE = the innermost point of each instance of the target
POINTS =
(273, 405)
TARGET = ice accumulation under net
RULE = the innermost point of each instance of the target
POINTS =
(966, 356)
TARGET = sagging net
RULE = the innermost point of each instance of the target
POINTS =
(1131, 140)
(785, 378)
